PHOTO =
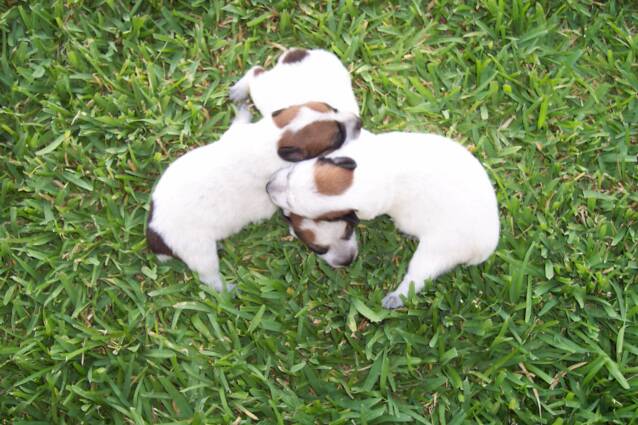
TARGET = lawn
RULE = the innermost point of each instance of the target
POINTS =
(97, 98)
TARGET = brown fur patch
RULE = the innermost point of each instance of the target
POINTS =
(295, 55)
(154, 240)
(331, 179)
(258, 71)
(306, 236)
(312, 140)
(283, 117)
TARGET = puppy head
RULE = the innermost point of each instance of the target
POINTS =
(317, 189)
(334, 240)
(312, 129)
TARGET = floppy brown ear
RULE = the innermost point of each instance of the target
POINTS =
(345, 215)
(310, 141)
(340, 161)
(291, 153)
(294, 55)
(351, 218)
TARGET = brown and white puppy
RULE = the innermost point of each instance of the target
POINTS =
(300, 76)
(431, 187)
(213, 191)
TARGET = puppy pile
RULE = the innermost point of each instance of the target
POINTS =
(309, 156)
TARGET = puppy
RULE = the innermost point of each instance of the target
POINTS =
(431, 187)
(213, 191)
(301, 76)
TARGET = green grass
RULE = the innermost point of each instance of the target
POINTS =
(96, 99)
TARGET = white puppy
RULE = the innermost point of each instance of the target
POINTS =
(431, 187)
(301, 76)
(213, 191)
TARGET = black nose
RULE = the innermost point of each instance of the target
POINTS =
(347, 261)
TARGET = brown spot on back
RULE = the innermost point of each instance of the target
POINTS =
(305, 235)
(331, 179)
(283, 117)
(154, 240)
(294, 55)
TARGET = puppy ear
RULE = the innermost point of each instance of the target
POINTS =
(291, 154)
(310, 141)
(341, 161)
(345, 215)
(351, 218)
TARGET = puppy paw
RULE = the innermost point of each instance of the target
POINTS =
(232, 290)
(228, 287)
(238, 92)
(216, 283)
(391, 301)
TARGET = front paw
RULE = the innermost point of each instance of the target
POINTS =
(238, 92)
(391, 301)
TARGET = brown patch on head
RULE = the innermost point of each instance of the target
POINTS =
(154, 240)
(331, 178)
(258, 70)
(283, 117)
(305, 235)
(294, 55)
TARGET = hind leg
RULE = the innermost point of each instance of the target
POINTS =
(426, 263)
(206, 263)
(241, 89)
